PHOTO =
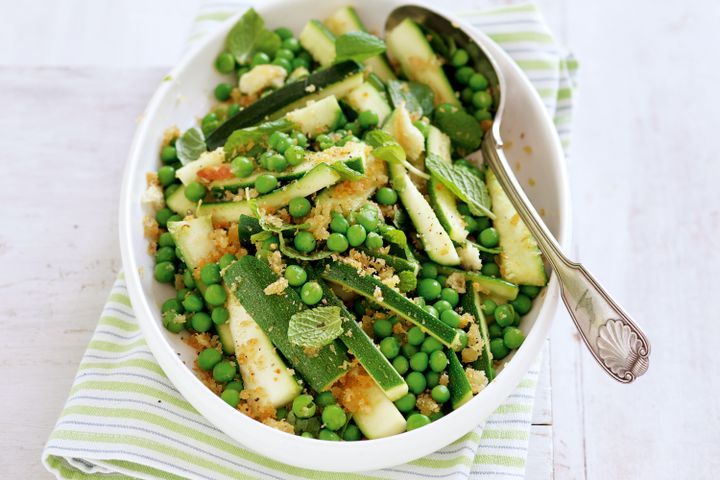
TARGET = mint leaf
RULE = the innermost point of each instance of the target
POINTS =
(316, 327)
(190, 146)
(462, 128)
(385, 147)
(250, 36)
(462, 182)
(241, 141)
(357, 46)
(418, 98)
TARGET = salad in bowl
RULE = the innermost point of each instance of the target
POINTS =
(342, 268)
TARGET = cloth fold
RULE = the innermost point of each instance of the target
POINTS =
(124, 419)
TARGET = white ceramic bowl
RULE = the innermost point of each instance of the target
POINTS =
(182, 98)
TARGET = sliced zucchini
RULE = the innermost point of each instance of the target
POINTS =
(224, 212)
(472, 304)
(226, 338)
(435, 239)
(368, 98)
(460, 389)
(495, 287)
(335, 80)
(408, 46)
(317, 117)
(373, 289)
(520, 260)
(247, 279)
(346, 20)
(399, 125)
(188, 173)
(442, 200)
(363, 348)
(259, 363)
(193, 239)
(178, 202)
(379, 416)
(319, 41)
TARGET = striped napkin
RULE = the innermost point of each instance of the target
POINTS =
(124, 419)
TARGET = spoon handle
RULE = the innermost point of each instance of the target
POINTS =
(616, 342)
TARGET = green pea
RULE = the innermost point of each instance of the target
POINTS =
(175, 218)
(294, 155)
(266, 183)
(353, 127)
(428, 270)
(373, 241)
(522, 304)
(490, 269)
(166, 240)
(242, 167)
(225, 63)
(356, 235)
(303, 406)
(208, 358)
(193, 302)
(390, 347)
(459, 58)
(463, 74)
(164, 272)
(163, 215)
(382, 328)
(386, 196)
(166, 175)
(172, 304)
(168, 154)
(451, 296)
(489, 238)
(284, 33)
(235, 385)
(463, 337)
(416, 382)
(498, 349)
(482, 99)
(292, 45)
(277, 163)
(488, 307)
(419, 362)
(432, 378)
(504, 315)
(401, 364)
(482, 114)
(409, 350)
(440, 393)
(339, 224)
(259, 58)
(466, 94)
(478, 82)
(415, 336)
(432, 311)
(436, 416)
(210, 274)
(299, 207)
(295, 275)
(451, 318)
(324, 399)
(429, 289)
(438, 361)
(285, 53)
(368, 119)
(300, 139)
(222, 91)
(224, 371)
(307, 435)
(329, 435)
(530, 291)
(209, 123)
(442, 280)
(441, 306)
(482, 223)
(334, 417)
(231, 397)
(279, 141)
(311, 293)
(470, 223)
(215, 295)
(165, 254)
(201, 322)
(226, 260)
(513, 337)
(352, 433)
(220, 315)
(304, 241)
(170, 189)
(195, 191)
(431, 344)
(173, 322)
(495, 330)
(337, 242)
(368, 218)
(406, 403)
(182, 294)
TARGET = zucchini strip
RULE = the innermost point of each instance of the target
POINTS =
(460, 389)
(495, 287)
(472, 304)
(378, 292)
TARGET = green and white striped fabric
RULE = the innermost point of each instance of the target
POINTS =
(124, 419)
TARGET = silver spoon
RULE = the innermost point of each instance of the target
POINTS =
(616, 342)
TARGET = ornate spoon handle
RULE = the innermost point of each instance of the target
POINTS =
(615, 341)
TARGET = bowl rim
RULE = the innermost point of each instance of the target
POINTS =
(266, 438)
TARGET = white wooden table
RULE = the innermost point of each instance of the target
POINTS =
(643, 174)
